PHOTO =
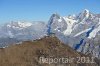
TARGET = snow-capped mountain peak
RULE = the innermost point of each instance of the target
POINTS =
(19, 24)
(24, 24)
(79, 31)
(57, 22)
(84, 15)
(55, 15)
(86, 11)
(21, 31)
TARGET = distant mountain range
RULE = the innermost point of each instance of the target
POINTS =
(21, 31)
(81, 31)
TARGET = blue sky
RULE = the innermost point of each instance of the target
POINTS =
(41, 10)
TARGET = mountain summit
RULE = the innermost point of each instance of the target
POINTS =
(81, 32)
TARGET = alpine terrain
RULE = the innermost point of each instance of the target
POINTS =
(15, 32)
(81, 31)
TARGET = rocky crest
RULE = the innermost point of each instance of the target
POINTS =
(28, 53)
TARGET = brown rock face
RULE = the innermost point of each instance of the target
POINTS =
(48, 51)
